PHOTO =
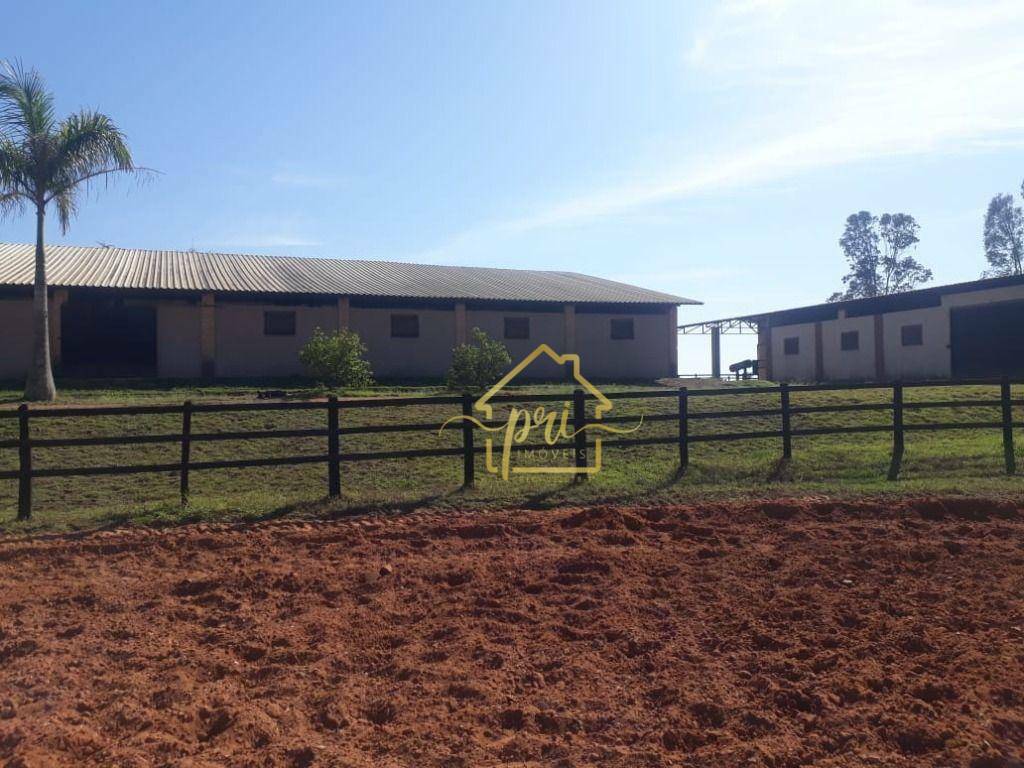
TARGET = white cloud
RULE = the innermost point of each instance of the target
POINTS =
(814, 85)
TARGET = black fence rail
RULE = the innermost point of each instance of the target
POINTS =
(334, 429)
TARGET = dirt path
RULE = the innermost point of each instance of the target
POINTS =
(779, 634)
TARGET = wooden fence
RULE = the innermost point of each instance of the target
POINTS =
(334, 430)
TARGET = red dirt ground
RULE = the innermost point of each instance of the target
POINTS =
(772, 634)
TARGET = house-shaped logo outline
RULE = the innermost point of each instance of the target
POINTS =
(603, 405)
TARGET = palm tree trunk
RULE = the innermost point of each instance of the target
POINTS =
(40, 384)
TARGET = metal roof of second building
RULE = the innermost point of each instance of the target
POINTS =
(929, 296)
(129, 268)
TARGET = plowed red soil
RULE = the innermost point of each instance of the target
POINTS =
(773, 634)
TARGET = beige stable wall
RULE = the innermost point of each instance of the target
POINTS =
(244, 350)
(850, 365)
(429, 355)
(798, 367)
(645, 356)
(545, 328)
(15, 337)
(931, 360)
(177, 340)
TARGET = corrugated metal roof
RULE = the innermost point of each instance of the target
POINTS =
(98, 267)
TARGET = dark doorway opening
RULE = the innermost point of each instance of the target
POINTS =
(107, 338)
(988, 341)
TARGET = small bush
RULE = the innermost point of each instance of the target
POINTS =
(336, 358)
(478, 364)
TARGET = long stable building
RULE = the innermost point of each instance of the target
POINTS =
(173, 314)
(965, 330)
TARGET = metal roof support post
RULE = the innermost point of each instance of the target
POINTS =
(344, 313)
(208, 336)
(673, 342)
(461, 329)
(716, 352)
(819, 353)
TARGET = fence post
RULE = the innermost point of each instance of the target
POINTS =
(24, 465)
(186, 448)
(579, 420)
(468, 461)
(787, 431)
(1004, 393)
(333, 448)
(684, 430)
(897, 431)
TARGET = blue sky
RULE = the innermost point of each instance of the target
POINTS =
(710, 150)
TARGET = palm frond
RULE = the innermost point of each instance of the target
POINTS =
(26, 107)
(93, 139)
(87, 146)
(13, 178)
(67, 208)
(11, 203)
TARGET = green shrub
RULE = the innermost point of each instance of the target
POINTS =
(478, 364)
(336, 358)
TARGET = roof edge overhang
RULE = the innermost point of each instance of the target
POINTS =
(874, 305)
(370, 298)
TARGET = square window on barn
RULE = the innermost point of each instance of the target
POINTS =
(849, 341)
(622, 329)
(517, 327)
(912, 335)
(405, 326)
(791, 345)
(278, 323)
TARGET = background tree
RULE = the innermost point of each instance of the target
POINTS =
(878, 252)
(45, 162)
(1004, 237)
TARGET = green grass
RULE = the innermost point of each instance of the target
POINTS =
(961, 461)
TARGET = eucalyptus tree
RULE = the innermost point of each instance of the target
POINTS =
(878, 252)
(47, 163)
(1004, 237)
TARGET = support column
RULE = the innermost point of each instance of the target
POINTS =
(673, 342)
(716, 352)
(879, 348)
(344, 313)
(764, 350)
(461, 331)
(60, 298)
(819, 354)
(208, 335)
(569, 342)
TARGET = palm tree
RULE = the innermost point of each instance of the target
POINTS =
(46, 162)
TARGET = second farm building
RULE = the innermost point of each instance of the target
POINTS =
(961, 331)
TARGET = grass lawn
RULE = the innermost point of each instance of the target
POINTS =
(961, 461)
